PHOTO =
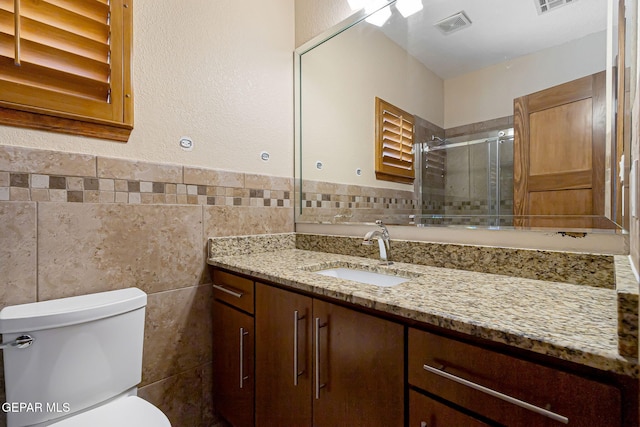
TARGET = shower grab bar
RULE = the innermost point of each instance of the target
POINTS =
(23, 341)
(446, 145)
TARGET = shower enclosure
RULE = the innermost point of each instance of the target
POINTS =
(467, 180)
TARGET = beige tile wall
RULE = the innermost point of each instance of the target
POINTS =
(74, 224)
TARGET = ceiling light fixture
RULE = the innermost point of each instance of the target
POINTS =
(408, 7)
(380, 17)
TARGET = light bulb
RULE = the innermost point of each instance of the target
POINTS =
(380, 17)
(408, 7)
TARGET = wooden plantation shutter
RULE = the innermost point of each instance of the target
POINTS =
(68, 59)
(394, 143)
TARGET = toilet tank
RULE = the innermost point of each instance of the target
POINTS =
(86, 350)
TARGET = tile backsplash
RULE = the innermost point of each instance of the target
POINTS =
(75, 224)
(44, 176)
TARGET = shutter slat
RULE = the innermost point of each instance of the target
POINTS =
(397, 144)
(54, 37)
(92, 9)
(399, 156)
(43, 78)
(45, 56)
(397, 164)
(66, 20)
(7, 5)
(391, 137)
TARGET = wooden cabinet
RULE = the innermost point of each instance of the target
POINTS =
(327, 365)
(508, 390)
(283, 357)
(427, 412)
(233, 349)
(322, 364)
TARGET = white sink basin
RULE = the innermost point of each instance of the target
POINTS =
(368, 277)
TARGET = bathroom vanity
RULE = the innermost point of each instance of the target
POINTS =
(445, 347)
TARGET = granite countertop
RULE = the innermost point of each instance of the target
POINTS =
(570, 322)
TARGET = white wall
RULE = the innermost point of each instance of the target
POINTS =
(220, 72)
(489, 93)
(314, 17)
(340, 81)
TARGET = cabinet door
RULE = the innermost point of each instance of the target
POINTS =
(233, 358)
(426, 412)
(283, 358)
(358, 376)
(508, 390)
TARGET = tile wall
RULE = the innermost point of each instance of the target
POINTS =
(74, 224)
(339, 203)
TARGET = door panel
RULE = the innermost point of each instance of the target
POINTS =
(559, 154)
(361, 369)
(283, 349)
(233, 361)
(561, 139)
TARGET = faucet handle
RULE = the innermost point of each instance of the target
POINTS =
(380, 224)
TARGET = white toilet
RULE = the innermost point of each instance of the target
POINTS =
(76, 362)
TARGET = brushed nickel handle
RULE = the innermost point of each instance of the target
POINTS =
(233, 292)
(242, 376)
(317, 338)
(497, 394)
(23, 341)
(296, 371)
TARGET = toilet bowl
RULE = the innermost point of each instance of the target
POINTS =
(76, 362)
(128, 411)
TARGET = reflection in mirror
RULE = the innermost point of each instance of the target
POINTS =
(509, 111)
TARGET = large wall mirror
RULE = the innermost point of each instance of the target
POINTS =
(512, 107)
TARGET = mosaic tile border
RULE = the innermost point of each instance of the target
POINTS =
(323, 201)
(31, 175)
(340, 201)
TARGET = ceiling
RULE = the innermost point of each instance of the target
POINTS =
(500, 30)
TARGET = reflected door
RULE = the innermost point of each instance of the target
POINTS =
(559, 155)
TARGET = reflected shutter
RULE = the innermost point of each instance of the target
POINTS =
(394, 143)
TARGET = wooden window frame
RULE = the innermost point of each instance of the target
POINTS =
(388, 166)
(53, 110)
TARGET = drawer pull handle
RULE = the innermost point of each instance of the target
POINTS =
(228, 291)
(243, 378)
(498, 395)
(318, 364)
(296, 371)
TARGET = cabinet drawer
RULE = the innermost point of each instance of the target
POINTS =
(234, 290)
(426, 412)
(506, 389)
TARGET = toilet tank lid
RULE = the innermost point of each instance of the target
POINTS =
(69, 311)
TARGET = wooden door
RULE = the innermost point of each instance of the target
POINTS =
(359, 365)
(233, 381)
(283, 357)
(559, 154)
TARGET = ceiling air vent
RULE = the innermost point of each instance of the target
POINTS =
(545, 6)
(454, 23)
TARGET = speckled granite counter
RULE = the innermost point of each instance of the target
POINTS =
(571, 322)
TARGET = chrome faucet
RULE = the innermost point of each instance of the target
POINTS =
(382, 235)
